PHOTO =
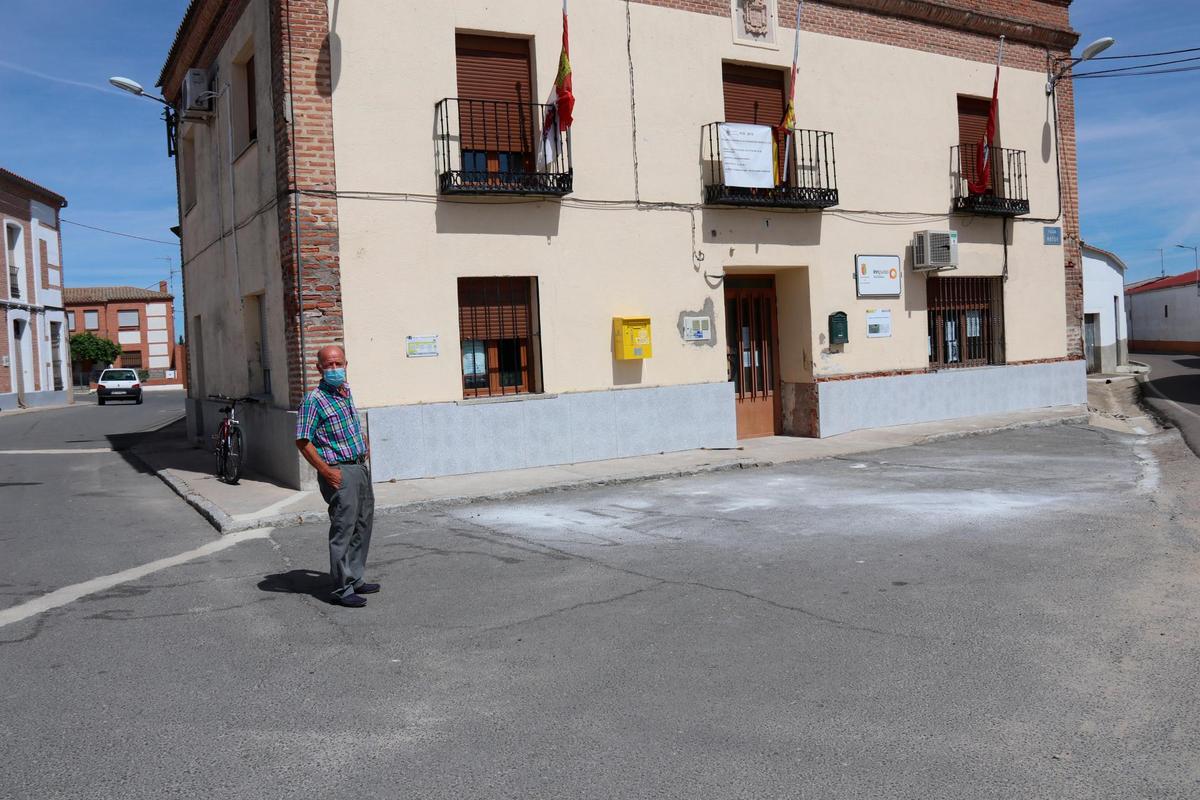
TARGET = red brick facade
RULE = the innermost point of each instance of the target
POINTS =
(304, 162)
(107, 303)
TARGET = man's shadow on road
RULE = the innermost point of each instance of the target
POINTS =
(299, 581)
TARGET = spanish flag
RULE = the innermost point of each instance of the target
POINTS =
(561, 113)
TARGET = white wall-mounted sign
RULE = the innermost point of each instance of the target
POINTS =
(879, 323)
(877, 276)
(421, 346)
(697, 329)
(747, 155)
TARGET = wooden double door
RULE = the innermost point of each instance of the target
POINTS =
(752, 345)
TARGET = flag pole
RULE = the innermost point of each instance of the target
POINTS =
(787, 139)
(556, 120)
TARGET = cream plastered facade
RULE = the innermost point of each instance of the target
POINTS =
(231, 233)
(893, 113)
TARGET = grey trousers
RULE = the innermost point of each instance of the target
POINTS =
(351, 517)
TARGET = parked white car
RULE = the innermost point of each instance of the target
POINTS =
(119, 384)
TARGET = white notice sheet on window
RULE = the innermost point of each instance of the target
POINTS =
(747, 155)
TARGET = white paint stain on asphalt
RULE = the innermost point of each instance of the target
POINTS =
(69, 594)
(1151, 475)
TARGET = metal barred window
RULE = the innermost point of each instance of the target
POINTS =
(966, 321)
(501, 341)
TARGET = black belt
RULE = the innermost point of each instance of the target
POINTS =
(356, 460)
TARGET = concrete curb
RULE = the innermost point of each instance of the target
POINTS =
(224, 523)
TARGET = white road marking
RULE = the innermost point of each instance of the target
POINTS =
(281, 504)
(61, 452)
(69, 594)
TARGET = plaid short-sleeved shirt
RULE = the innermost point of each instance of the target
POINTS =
(328, 419)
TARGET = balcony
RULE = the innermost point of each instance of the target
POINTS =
(808, 181)
(1007, 192)
(494, 147)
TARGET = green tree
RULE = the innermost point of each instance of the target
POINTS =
(90, 347)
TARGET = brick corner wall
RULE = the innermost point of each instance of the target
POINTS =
(304, 164)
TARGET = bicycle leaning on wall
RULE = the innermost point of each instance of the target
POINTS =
(229, 443)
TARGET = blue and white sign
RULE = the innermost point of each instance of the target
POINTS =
(1052, 235)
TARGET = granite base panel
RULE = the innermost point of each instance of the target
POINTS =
(429, 440)
(8, 401)
(851, 405)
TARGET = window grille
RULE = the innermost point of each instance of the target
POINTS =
(966, 321)
(501, 343)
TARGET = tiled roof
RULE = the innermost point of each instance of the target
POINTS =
(79, 295)
(1186, 279)
(4, 173)
(188, 14)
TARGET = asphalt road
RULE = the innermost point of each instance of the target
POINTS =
(1011, 616)
(71, 516)
(1173, 390)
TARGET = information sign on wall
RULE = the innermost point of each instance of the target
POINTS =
(877, 276)
(421, 346)
(879, 323)
(747, 155)
(1051, 235)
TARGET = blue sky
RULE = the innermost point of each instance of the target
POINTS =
(1139, 155)
(104, 150)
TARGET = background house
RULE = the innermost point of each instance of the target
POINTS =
(34, 359)
(1164, 314)
(141, 321)
(1105, 329)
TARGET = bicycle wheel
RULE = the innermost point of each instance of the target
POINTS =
(233, 454)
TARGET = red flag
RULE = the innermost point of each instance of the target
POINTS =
(983, 150)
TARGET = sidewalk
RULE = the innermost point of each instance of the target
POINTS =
(257, 503)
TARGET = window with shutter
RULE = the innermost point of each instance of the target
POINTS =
(497, 112)
(756, 96)
(500, 341)
(972, 126)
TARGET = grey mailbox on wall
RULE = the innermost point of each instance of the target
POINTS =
(839, 329)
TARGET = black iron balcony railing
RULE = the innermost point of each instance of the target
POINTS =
(805, 172)
(14, 284)
(498, 147)
(1007, 193)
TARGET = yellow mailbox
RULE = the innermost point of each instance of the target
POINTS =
(631, 338)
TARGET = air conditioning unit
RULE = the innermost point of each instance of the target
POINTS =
(933, 250)
(195, 86)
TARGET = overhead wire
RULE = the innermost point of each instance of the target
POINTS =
(118, 233)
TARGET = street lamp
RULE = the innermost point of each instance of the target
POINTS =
(1196, 255)
(1091, 51)
(135, 88)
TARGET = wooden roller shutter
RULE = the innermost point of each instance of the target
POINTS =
(495, 93)
(753, 95)
(494, 308)
(972, 125)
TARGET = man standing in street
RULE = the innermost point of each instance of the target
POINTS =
(329, 436)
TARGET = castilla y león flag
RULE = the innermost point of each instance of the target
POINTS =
(983, 150)
(561, 112)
